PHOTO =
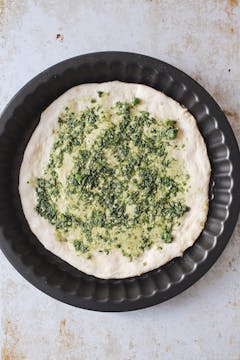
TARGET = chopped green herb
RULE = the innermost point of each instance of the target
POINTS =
(171, 133)
(79, 246)
(171, 122)
(136, 101)
(100, 93)
(167, 235)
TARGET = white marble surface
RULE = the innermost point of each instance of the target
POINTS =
(199, 37)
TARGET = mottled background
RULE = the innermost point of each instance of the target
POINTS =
(201, 37)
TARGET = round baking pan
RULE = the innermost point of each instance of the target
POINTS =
(54, 276)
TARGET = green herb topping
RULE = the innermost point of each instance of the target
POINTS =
(111, 181)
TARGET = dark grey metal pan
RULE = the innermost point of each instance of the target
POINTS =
(57, 278)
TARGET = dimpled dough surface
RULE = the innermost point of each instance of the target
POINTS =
(189, 153)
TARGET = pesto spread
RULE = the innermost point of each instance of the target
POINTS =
(112, 181)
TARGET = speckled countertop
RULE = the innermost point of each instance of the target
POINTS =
(201, 38)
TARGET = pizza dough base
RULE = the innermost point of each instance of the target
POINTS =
(193, 157)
